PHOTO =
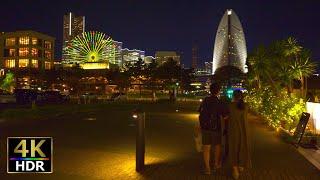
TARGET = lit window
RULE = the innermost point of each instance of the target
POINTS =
(47, 45)
(47, 65)
(34, 41)
(47, 54)
(12, 52)
(23, 63)
(34, 52)
(23, 51)
(10, 63)
(24, 40)
(34, 63)
(10, 41)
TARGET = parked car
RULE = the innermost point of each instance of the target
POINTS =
(25, 96)
(52, 96)
(7, 97)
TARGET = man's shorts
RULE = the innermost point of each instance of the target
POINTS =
(211, 137)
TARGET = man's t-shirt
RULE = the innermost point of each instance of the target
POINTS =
(211, 110)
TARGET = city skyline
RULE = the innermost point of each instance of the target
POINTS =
(166, 25)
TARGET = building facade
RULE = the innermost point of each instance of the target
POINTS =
(164, 56)
(230, 44)
(72, 26)
(149, 59)
(131, 56)
(208, 67)
(195, 52)
(26, 49)
(118, 57)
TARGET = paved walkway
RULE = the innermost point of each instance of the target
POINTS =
(94, 151)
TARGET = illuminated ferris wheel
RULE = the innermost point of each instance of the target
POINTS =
(91, 47)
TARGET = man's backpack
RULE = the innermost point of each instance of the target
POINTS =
(208, 117)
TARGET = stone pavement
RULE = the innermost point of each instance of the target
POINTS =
(92, 152)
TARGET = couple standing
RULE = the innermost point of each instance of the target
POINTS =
(214, 113)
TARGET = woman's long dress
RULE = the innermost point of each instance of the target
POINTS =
(239, 149)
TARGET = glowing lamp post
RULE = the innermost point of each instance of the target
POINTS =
(139, 116)
(229, 93)
(314, 110)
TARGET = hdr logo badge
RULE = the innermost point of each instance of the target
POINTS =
(29, 154)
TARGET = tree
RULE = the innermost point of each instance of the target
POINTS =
(303, 67)
(151, 76)
(279, 64)
(228, 75)
(137, 72)
(121, 79)
(260, 67)
(170, 73)
(186, 79)
(8, 82)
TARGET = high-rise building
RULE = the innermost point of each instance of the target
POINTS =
(118, 57)
(149, 59)
(164, 56)
(195, 51)
(72, 26)
(26, 50)
(230, 44)
(208, 67)
(131, 56)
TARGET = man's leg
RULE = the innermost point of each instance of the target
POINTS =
(206, 156)
(217, 156)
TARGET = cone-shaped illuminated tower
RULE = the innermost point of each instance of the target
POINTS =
(230, 44)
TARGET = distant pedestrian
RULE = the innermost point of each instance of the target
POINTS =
(239, 151)
(210, 123)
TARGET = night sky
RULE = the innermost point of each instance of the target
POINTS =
(152, 25)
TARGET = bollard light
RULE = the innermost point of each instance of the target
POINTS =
(135, 116)
(200, 100)
(139, 117)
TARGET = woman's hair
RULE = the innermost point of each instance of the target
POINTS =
(238, 97)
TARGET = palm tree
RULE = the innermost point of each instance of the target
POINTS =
(303, 67)
(261, 66)
(285, 53)
(292, 48)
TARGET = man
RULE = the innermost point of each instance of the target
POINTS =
(211, 111)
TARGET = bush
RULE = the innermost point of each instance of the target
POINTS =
(279, 110)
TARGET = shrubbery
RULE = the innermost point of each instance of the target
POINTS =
(278, 110)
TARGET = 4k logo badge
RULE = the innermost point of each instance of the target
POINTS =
(29, 154)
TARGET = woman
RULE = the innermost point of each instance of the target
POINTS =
(239, 153)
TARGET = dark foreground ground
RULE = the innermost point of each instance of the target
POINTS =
(98, 142)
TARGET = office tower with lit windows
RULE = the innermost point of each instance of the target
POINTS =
(72, 26)
(26, 50)
(164, 56)
(195, 51)
(118, 57)
(130, 56)
(230, 44)
(208, 67)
